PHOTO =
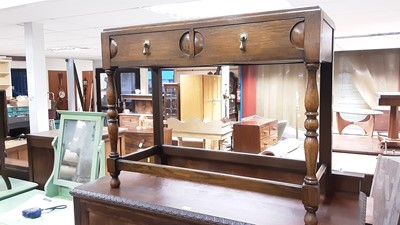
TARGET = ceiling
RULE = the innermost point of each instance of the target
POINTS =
(360, 24)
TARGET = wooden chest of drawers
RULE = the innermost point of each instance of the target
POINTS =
(255, 135)
(136, 139)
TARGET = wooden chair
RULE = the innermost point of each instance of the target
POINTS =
(3, 135)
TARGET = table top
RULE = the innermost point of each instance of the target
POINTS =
(17, 186)
(357, 111)
(389, 98)
(183, 197)
(11, 209)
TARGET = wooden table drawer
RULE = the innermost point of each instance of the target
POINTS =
(164, 48)
(264, 131)
(268, 142)
(222, 44)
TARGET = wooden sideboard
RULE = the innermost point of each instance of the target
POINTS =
(136, 139)
(303, 36)
(255, 135)
(41, 153)
(139, 137)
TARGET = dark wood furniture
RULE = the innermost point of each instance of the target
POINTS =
(391, 99)
(139, 136)
(254, 135)
(3, 135)
(142, 103)
(101, 83)
(170, 201)
(41, 154)
(172, 103)
(288, 36)
(136, 139)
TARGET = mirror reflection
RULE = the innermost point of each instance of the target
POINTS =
(76, 150)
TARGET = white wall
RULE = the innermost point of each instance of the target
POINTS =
(18, 64)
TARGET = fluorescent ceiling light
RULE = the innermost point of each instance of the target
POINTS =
(213, 8)
(12, 3)
(67, 49)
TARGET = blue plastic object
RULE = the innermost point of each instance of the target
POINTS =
(36, 212)
(32, 213)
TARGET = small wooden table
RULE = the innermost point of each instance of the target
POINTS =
(367, 123)
(391, 99)
(195, 128)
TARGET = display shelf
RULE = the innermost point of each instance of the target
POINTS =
(5, 76)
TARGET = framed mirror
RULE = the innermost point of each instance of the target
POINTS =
(79, 150)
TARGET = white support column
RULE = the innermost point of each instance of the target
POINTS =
(144, 80)
(71, 85)
(37, 77)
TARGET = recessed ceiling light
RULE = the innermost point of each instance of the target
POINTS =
(66, 49)
(212, 8)
(12, 3)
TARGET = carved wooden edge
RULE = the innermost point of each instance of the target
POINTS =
(153, 208)
(311, 188)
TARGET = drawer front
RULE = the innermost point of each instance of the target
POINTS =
(265, 41)
(264, 131)
(133, 140)
(164, 48)
(129, 121)
(268, 142)
(273, 128)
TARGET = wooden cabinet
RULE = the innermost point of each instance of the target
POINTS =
(136, 139)
(254, 135)
(201, 97)
(172, 101)
(131, 120)
(5, 76)
(142, 103)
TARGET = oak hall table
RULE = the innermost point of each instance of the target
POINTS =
(303, 36)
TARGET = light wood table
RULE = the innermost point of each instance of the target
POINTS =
(367, 123)
(195, 128)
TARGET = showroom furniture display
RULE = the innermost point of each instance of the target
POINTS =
(172, 102)
(209, 131)
(79, 152)
(288, 36)
(139, 133)
(367, 124)
(5, 76)
(79, 158)
(8, 186)
(3, 135)
(41, 153)
(201, 97)
(254, 135)
(391, 99)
